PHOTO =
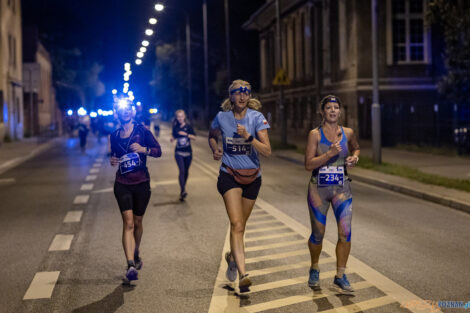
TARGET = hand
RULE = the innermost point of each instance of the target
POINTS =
(182, 133)
(241, 130)
(335, 149)
(172, 139)
(135, 147)
(217, 154)
(351, 161)
(114, 161)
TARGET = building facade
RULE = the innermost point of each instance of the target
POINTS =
(326, 49)
(40, 108)
(11, 91)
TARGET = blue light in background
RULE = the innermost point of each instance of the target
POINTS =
(69, 112)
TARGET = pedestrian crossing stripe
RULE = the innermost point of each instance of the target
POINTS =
(281, 78)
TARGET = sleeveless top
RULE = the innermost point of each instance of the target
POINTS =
(323, 147)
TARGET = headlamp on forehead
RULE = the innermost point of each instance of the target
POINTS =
(241, 90)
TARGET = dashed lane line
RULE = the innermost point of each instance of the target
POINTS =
(97, 165)
(279, 303)
(61, 243)
(73, 216)
(81, 199)
(86, 187)
(91, 177)
(94, 171)
(42, 285)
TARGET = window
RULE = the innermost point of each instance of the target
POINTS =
(409, 36)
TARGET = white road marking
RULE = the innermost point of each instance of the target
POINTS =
(99, 160)
(42, 285)
(257, 230)
(73, 216)
(280, 235)
(276, 245)
(91, 178)
(94, 171)
(282, 268)
(364, 305)
(152, 184)
(279, 303)
(61, 243)
(86, 187)
(81, 199)
(277, 256)
(97, 165)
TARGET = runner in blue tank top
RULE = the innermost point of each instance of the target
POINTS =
(244, 135)
(327, 155)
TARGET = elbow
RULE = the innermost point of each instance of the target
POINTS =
(267, 152)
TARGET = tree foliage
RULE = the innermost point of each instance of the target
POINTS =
(453, 17)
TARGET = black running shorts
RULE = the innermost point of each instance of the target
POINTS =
(133, 197)
(227, 182)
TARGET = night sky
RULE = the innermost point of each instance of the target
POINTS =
(109, 32)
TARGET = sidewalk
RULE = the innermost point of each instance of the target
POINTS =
(17, 152)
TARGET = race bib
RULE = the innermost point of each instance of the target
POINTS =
(238, 146)
(129, 162)
(331, 176)
(182, 142)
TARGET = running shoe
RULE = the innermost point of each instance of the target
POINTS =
(183, 195)
(314, 278)
(232, 270)
(244, 283)
(132, 273)
(138, 263)
(343, 284)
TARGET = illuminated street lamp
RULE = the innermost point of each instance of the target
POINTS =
(127, 66)
(159, 7)
(143, 49)
(149, 32)
(138, 61)
(145, 43)
(153, 21)
(114, 91)
(140, 55)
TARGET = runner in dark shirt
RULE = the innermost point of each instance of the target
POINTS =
(182, 133)
(130, 146)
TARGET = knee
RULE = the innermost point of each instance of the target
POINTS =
(316, 238)
(237, 227)
(345, 236)
(129, 226)
(138, 224)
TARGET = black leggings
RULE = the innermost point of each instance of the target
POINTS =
(184, 162)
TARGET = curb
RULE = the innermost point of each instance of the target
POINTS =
(449, 202)
(455, 204)
(18, 160)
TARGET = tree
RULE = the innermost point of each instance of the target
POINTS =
(453, 17)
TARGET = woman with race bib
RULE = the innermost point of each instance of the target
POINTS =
(244, 135)
(130, 146)
(183, 133)
(328, 156)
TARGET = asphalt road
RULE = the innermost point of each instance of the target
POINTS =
(420, 247)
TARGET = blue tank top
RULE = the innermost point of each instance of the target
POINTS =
(324, 146)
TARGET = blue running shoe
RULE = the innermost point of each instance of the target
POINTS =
(232, 270)
(343, 284)
(132, 273)
(314, 278)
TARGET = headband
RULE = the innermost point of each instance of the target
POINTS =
(241, 89)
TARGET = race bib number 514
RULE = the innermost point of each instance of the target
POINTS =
(238, 146)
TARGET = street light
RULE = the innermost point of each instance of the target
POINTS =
(138, 61)
(159, 7)
(149, 32)
(127, 66)
(126, 85)
(114, 91)
(143, 49)
(153, 21)
(145, 43)
(140, 55)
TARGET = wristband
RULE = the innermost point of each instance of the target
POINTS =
(250, 139)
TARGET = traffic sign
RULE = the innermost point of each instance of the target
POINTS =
(281, 78)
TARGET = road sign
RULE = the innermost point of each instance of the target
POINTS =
(281, 78)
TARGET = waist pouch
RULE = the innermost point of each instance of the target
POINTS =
(243, 176)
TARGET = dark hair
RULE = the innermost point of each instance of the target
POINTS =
(330, 98)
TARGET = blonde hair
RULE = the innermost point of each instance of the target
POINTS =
(175, 121)
(253, 103)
